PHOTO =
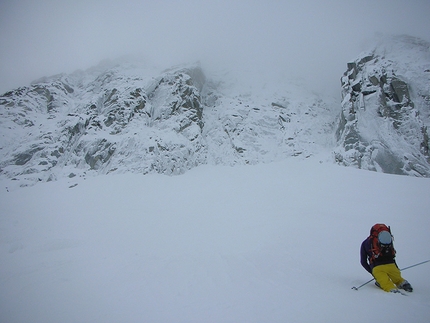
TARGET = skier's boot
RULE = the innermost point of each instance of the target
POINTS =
(406, 286)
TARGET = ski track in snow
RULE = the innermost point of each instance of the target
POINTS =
(267, 243)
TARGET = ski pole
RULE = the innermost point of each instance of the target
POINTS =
(356, 288)
(420, 263)
(416, 265)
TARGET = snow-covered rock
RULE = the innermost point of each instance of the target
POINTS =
(125, 116)
(385, 109)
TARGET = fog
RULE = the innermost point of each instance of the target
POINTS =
(308, 40)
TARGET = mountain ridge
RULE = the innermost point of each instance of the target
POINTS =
(128, 117)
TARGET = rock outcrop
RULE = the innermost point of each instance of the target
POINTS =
(123, 118)
(384, 120)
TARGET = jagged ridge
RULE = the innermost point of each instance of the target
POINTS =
(125, 117)
(116, 120)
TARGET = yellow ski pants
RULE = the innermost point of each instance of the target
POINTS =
(388, 276)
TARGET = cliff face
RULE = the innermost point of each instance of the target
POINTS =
(384, 119)
(125, 118)
(68, 125)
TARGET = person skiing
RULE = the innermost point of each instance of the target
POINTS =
(377, 256)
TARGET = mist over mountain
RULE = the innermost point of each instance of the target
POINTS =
(127, 116)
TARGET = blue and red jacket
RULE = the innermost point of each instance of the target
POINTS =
(366, 255)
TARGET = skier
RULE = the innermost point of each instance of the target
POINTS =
(377, 255)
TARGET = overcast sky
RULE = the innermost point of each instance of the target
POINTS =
(313, 39)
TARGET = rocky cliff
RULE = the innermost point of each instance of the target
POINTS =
(121, 117)
(126, 117)
(384, 120)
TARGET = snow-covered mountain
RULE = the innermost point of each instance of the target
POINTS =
(122, 117)
(384, 122)
(126, 117)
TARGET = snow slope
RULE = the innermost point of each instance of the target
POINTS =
(272, 242)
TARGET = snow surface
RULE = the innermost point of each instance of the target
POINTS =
(272, 242)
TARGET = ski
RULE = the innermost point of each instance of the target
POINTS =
(400, 292)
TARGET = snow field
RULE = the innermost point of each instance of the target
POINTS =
(268, 243)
